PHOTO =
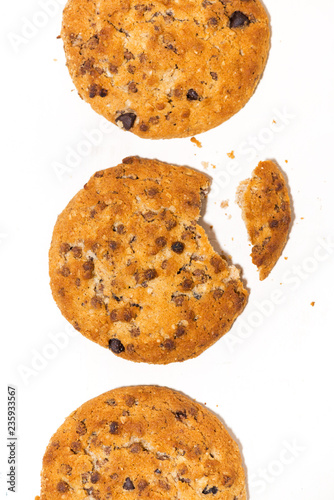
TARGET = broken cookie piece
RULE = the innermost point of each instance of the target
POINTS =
(143, 442)
(133, 271)
(265, 203)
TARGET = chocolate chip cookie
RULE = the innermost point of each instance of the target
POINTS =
(133, 271)
(142, 442)
(166, 69)
(266, 210)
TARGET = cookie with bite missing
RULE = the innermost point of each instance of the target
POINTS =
(166, 69)
(142, 442)
(133, 271)
(266, 210)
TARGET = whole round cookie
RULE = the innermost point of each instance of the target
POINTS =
(133, 271)
(142, 442)
(165, 69)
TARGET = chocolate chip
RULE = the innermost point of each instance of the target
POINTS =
(181, 415)
(130, 401)
(96, 302)
(214, 75)
(192, 95)
(213, 21)
(273, 223)
(218, 293)
(95, 477)
(161, 242)
(169, 345)
(62, 487)
(65, 247)
(113, 68)
(128, 485)
(178, 247)
(178, 300)
(142, 484)
(238, 19)
(128, 55)
(157, 471)
(136, 448)
(76, 447)
(131, 69)
(116, 346)
(212, 490)
(88, 268)
(65, 272)
(114, 427)
(132, 87)
(143, 127)
(127, 120)
(135, 332)
(170, 223)
(144, 276)
(218, 264)
(66, 469)
(180, 331)
(77, 252)
(120, 229)
(103, 92)
(81, 429)
(228, 481)
(187, 284)
(93, 90)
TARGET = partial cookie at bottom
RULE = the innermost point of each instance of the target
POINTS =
(143, 442)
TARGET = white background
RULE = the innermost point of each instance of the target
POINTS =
(271, 378)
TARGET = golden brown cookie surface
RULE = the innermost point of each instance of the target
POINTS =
(133, 271)
(142, 442)
(266, 210)
(164, 69)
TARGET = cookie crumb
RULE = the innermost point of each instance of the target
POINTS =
(231, 155)
(195, 141)
(205, 164)
(286, 258)
(312, 304)
(224, 204)
(286, 161)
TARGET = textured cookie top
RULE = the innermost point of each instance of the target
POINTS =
(266, 210)
(133, 271)
(142, 442)
(166, 69)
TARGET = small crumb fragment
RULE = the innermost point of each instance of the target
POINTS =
(213, 166)
(195, 141)
(231, 155)
(274, 121)
(302, 218)
(205, 164)
(224, 204)
(286, 161)
(312, 304)
(286, 258)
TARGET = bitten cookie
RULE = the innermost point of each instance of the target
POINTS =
(133, 271)
(142, 442)
(265, 203)
(166, 69)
